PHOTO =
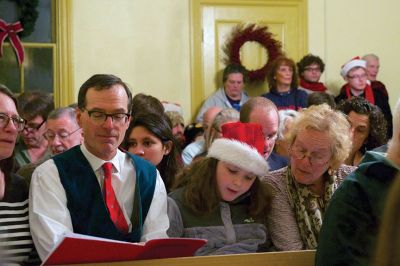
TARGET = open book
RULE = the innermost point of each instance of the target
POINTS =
(76, 248)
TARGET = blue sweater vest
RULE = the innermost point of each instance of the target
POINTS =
(85, 201)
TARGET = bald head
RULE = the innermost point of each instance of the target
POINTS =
(256, 103)
(262, 111)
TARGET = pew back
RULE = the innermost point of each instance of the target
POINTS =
(292, 258)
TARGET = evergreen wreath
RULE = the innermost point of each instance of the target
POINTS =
(28, 15)
(251, 33)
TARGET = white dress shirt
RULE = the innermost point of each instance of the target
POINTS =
(49, 216)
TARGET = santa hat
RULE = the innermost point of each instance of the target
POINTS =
(354, 62)
(242, 145)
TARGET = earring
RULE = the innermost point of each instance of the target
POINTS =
(330, 171)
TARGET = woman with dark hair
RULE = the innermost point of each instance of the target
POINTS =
(14, 233)
(368, 127)
(282, 81)
(150, 136)
(142, 103)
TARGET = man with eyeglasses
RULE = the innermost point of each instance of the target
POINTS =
(63, 133)
(310, 69)
(263, 111)
(354, 73)
(95, 188)
(34, 107)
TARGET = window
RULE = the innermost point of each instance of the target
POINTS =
(47, 64)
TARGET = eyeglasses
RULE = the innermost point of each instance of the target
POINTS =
(316, 69)
(18, 122)
(363, 76)
(314, 159)
(62, 135)
(99, 118)
(30, 127)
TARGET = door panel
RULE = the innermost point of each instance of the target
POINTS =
(214, 21)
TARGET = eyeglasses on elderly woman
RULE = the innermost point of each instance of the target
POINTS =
(315, 158)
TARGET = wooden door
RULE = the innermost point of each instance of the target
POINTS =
(212, 23)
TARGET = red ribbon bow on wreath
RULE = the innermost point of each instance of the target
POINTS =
(11, 30)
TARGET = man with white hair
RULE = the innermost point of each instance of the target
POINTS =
(352, 220)
(62, 133)
(373, 66)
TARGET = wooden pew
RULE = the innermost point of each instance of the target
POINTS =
(287, 258)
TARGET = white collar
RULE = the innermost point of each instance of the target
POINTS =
(96, 163)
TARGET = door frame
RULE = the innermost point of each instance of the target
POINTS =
(196, 38)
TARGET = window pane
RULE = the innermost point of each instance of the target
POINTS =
(39, 69)
(9, 70)
(10, 13)
(43, 22)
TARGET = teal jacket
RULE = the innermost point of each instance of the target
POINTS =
(352, 220)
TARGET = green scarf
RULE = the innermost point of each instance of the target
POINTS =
(309, 208)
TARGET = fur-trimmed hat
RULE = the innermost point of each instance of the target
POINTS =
(242, 145)
(354, 62)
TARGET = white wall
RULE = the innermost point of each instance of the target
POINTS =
(146, 43)
(342, 29)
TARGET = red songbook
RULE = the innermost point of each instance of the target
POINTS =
(76, 248)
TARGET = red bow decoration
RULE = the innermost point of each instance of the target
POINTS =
(11, 31)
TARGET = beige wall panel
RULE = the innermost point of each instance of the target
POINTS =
(340, 30)
(146, 43)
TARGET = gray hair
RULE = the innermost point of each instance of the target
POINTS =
(224, 116)
(374, 56)
(283, 116)
(63, 111)
(324, 119)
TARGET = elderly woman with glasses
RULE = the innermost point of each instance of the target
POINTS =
(318, 142)
(14, 232)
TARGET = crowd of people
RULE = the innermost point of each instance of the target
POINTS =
(293, 169)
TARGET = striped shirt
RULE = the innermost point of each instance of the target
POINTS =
(16, 245)
(15, 237)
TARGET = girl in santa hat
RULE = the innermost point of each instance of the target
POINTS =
(220, 197)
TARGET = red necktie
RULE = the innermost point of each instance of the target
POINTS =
(116, 214)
